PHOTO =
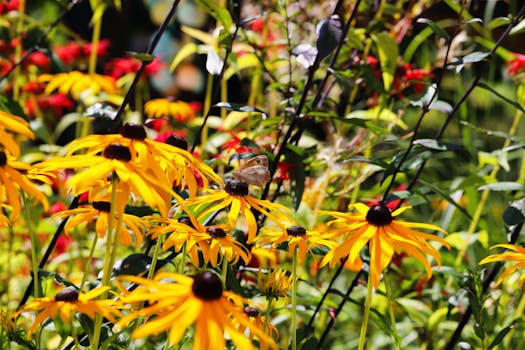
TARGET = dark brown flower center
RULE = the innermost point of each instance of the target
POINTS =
(251, 311)
(3, 158)
(133, 131)
(296, 231)
(117, 152)
(216, 232)
(177, 141)
(102, 206)
(236, 187)
(186, 221)
(379, 215)
(207, 286)
(69, 294)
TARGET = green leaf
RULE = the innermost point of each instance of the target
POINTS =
(436, 145)
(446, 196)
(134, 264)
(504, 98)
(501, 334)
(143, 57)
(473, 57)
(218, 12)
(230, 106)
(502, 186)
(186, 51)
(11, 106)
(388, 53)
(440, 32)
(498, 22)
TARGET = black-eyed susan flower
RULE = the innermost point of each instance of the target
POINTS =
(164, 108)
(222, 245)
(385, 235)
(181, 234)
(148, 181)
(179, 165)
(296, 237)
(69, 301)
(16, 176)
(178, 301)
(14, 124)
(74, 83)
(254, 316)
(236, 198)
(99, 213)
(515, 254)
(275, 284)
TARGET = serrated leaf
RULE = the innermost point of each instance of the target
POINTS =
(440, 32)
(502, 186)
(143, 57)
(388, 53)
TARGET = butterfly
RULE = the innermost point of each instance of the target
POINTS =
(254, 171)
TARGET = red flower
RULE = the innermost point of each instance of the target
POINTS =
(8, 6)
(516, 65)
(69, 53)
(57, 207)
(58, 103)
(102, 49)
(39, 59)
(416, 78)
(392, 205)
(33, 87)
(235, 144)
(119, 67)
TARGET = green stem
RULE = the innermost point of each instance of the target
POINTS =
(269, 306)
(95, 39)
(366, 314)
(88, 262)
(106, 276)
(182, 261)
(34, 245)
(224, 271)
(391, 310)
(155, 258)
(294, 299)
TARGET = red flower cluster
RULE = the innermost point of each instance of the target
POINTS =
(119, 67)
(57, 103)
(516, 65)
(8, 6)
(74, 52)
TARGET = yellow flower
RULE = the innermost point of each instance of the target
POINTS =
(148, 181)
(74, 83)
(295, 236)
(385, 236)
(516, 254)
(181, 233)
(16, 175)
(258, 321)
(179, 165)
(235, 196)
(12, 123)
(69, 301)
(99, 212)
(179, 301)
(164, 108)
(274, 284)
(221, 244)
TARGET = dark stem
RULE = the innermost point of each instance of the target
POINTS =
(338, 310)
(151, 48)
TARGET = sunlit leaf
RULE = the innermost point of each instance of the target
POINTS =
(440, 32)
(388, 52)
(218, 12)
